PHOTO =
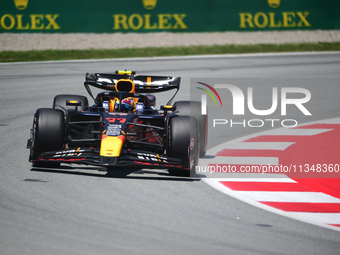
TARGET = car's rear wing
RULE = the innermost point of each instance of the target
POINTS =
(143, 83)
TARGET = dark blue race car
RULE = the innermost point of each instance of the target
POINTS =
(123, 128)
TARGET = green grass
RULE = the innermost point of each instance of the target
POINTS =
(15, 56)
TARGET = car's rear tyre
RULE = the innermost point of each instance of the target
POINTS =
(193, 108)
(60, 101)
(48, 134)
(183, 143)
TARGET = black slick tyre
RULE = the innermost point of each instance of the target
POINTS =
(48, 134)
(183, 143)
(193, 108)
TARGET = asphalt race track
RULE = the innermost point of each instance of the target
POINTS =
(79, 210)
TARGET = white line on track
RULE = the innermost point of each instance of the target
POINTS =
(298, 132)
(244, 55)
(292, 196)
(325, 218)
(263, 145)
(245, 160)
(281, 179)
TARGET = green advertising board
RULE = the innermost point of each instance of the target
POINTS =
(108, 16)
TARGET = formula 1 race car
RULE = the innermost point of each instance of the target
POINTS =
(122, 128)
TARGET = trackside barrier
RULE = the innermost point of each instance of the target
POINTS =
(103, 16)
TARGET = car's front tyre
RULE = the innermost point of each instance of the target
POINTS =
(184, 144)
(48, 134)
(193, 108)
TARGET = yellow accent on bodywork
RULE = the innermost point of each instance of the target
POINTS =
(112, 104)
(111, 146)
(125, 72)
(148, 81)
(76, 153)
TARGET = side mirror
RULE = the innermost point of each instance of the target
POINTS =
(167, 108)
(73, 103)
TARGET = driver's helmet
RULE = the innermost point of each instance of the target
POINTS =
(127, 105)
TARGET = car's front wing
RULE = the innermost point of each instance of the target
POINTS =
(127, 158)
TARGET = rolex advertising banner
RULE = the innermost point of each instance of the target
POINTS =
(108, 16)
